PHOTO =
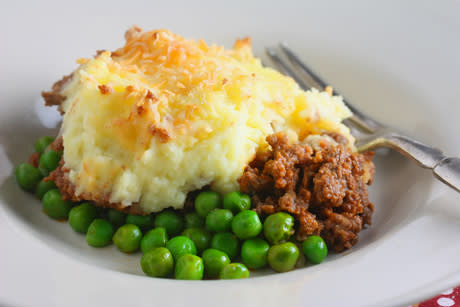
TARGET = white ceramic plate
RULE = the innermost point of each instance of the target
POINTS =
(398, 60)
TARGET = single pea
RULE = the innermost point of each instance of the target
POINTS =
(156, 237)
(42, 143)
(54, 206)
(237, 202)
(201, 237)
(219, 220)
(283, 257)
(144, 222)
(234, 271)
(189, 267)
(181, 245)
(226, 242)
(278, 227)
(81, 216)
(214, 261)
(49, 161)
(254, 253)
(170, 221)
(206, 201)
(116, 217)
(315, 249)
(246, 224)
(193, 220)
(157, 262)
(43, 187)
(128, 238)
(27, 176)
(99, 233)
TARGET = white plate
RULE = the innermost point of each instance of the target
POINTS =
(398, 60)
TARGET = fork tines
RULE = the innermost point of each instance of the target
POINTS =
(307, 78)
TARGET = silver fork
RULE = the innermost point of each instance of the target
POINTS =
(369, 133)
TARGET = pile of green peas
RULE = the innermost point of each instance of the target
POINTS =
(222, 238)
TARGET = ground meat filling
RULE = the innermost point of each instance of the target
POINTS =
(324, 187)
(54, 97)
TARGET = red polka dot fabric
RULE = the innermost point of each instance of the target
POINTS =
(449, 298)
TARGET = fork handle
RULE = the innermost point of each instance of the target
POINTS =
(446, 169)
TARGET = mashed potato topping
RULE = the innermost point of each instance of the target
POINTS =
(163, 116)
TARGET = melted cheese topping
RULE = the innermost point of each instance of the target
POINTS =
(163, 116)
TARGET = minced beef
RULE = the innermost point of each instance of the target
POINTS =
(324, 187)
(34, 159)
(55, 97)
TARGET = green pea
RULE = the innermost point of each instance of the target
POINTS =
(54, 206)
(157, 262)
(81, 216)
(27, 176)
(206, 201)
(42, 143)
(278, 227)
(283, 257)
(193, 220)
(226, 242)
(214, 261)
(99, 233)
(43, 187)
(254, 253)
(128, 238)
(49, 161)
(201, 237)
(234, 271)
(181, 245)
(170, 221)
(246, 224)
(116, 218)
(315, 249)
(237, 202)
(144, 222)
(156, 237)
(189, 267)
(219, 220)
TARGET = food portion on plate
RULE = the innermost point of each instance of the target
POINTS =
(180, 135)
